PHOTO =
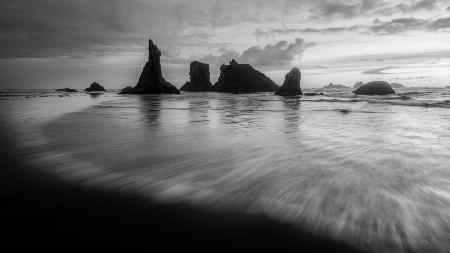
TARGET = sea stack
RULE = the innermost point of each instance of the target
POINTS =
(199, 78)
(151, 80)
(291, 85)
(375, 88)
(95, 87)
(243, 78)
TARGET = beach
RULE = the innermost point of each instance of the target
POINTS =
(332, 173)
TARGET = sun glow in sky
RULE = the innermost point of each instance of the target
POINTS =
(70, 43)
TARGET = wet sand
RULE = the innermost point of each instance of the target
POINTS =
(40, 212)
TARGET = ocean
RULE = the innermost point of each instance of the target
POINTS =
(369, 171)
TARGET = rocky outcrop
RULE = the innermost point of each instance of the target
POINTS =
(199, 78)
(291, 85)
(95, 87)
(375, 88)
(243, 78)
(67, 90)
(151, 80)
(358, 84)
(335, 86)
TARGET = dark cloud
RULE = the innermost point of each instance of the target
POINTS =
(442, 23)
(347, 9)
(395, 26)
(342, 8)
(377, 27)
(378, 71)
(49, 28)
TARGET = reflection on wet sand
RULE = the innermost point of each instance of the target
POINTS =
(354, 177)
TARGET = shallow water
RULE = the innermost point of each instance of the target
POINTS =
(372, 171)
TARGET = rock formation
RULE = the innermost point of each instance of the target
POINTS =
(243, 78)
(291, 85)
(151, 80)
(335, 86)
(375, 88)
(67, 90)
(95, 87)
(358, 84)
(199, 78)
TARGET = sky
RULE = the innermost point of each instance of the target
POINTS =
(71, 43)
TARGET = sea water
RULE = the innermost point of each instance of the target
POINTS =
(370, 171)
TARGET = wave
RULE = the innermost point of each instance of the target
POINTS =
(391, 100)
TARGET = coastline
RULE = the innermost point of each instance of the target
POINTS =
(41, 212)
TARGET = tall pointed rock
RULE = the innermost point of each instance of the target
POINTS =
(151, 80)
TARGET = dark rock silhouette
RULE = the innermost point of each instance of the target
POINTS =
(335, 86)
(199, 78)
(95, 87)
(127, 90)
(67, 90)
(375, 88)
(243, 78)
(151, 80)
(311, 94)
(291, 85)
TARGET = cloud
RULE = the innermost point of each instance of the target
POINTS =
(442, 23)
(82, 28)
(280, 54)
(343, 9)
(395, 26)
(378, 71)
(377, 27)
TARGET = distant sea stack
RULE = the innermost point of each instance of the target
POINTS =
(67, 90)
(151, 80)
(335, 86)
(291, 85)
(243, 78)
(199, 78)
(375, 88)
(95, 87)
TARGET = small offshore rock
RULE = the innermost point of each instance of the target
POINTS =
(291, 85)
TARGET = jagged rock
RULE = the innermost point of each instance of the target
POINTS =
(243, 78)
(199, 78)
(291, 85)
(151, 80)
(67, 90)
(95, 87)
(358, 84)
(335, 86)
(375, 88)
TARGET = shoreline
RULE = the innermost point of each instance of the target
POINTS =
(41, 212)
